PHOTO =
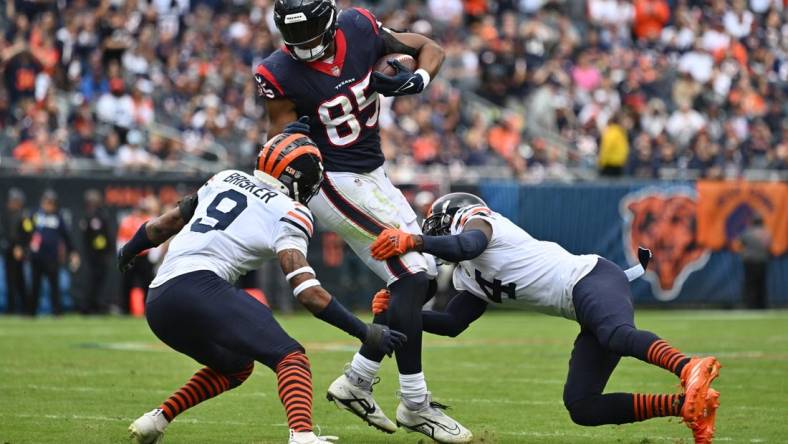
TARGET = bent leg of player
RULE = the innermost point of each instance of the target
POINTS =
(224, 328)
(358, 207)
(603, 304)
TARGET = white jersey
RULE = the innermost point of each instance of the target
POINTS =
(515, 266)
(238, 224)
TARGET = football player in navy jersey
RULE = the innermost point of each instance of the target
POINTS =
(322, 83)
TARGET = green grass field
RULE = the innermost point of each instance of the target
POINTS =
(84, 380)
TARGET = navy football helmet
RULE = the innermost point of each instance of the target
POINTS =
(308, 27)
(442, 211)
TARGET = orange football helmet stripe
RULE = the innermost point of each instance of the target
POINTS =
(271, 159)
(306, 149)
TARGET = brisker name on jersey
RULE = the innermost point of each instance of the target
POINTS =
(241, 181)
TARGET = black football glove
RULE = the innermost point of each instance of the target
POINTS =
(402, 83)
(384, 339)
(125, 260)
(644, 256)
(300, 126)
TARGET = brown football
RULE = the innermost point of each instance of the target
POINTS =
(383, 67)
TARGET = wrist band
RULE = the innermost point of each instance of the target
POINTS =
(634, 272)
(304, 285)
(424, 75)
(295, 273)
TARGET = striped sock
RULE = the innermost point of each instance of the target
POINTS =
(652, 406)
(294, 377)
(205, 384)
(662, 354)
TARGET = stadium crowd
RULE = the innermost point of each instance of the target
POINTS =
(632, 88)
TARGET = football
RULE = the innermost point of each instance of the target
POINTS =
(383, 67)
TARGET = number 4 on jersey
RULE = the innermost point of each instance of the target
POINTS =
(494, 289)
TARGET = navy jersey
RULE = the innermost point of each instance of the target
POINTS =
(335, 94)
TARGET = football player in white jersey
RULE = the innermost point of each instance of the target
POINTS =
(234, 223)
(497, 261)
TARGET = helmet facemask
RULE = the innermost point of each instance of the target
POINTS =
(307, 31)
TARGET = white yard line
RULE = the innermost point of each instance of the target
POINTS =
(126, 419)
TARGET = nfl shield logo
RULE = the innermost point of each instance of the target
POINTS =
(335, 71)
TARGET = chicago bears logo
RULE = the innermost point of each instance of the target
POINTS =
(665, 222)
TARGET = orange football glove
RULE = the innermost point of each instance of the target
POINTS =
(380, 302)
(392, 242)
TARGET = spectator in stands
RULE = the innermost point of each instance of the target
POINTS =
(613, 148)
(49, 244)
(107, 151)
(133, 157)
(504, 139)
(650, 17)
(97, 238)
(116, 107)
(39, 152)
(758, 146)
(684, 123)
(142, 109)
(82, 143)
(705, 157)
(20, 72)
(15, 229)
(643, 163)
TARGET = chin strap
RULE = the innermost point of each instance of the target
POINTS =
(271, 181)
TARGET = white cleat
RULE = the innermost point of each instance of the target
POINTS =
(310, 438)
(148, 428)
(359, 401)
(431, 421)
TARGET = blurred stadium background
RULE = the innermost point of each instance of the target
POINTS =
(599, 124)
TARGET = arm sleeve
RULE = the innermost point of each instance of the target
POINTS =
(458, 247)
(391, 45)
(268, 85)
(463, 309)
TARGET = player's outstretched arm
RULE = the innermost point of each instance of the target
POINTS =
(156, 231)
(317, 300)
(465, 246)
(428, 54)
(462, 310)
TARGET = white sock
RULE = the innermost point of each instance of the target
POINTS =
(362, 371)
(413, 389)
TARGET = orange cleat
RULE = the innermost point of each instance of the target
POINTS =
(703, 427)
(696, 377)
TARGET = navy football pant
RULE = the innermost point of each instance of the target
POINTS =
(408, 295)
(201, 315)
(604, 309)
